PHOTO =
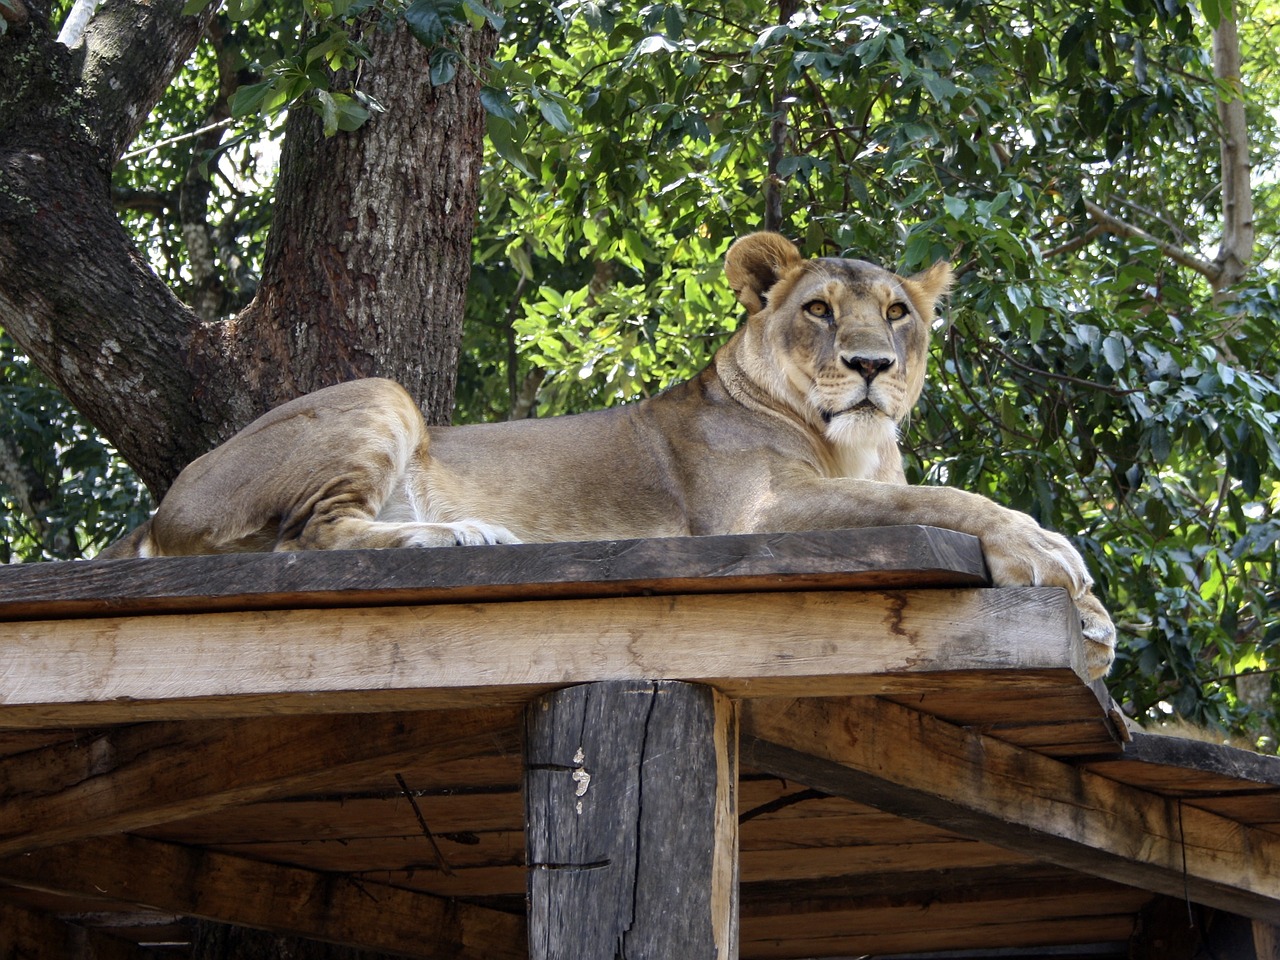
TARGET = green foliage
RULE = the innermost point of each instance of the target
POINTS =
(65, 493)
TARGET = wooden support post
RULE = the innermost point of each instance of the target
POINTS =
(631, 797)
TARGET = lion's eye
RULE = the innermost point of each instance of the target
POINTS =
(818, 308)
(896, 311)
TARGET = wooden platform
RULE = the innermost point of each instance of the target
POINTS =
(330, 745)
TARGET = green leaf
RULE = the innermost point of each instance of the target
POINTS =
(497, 103)
(249, 100)
(328, 112)
(1113, 351)
(240, 10)
(444, 67)
(956, 207)
(552, 111)
(351, 113)
(189, 9)
(428, 19)
(478, 13)
(1212, 12)
(502, 136)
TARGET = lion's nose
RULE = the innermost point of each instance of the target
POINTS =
(869, 367)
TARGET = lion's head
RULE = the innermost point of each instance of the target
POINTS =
(841, 343)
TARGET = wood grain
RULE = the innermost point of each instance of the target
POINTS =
(151, 773)
(630, 794)
(124, 669)
(1016, 799)
(874, 557)
(287, 900)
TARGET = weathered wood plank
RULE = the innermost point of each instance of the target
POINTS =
(425, 657)
(1188, 768)
(630, 794)
(269, 897)
(908, 934)
(874, 557)
(147, 774)
(1016, 799)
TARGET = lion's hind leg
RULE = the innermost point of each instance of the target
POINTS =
(343, 530)
(378, 504)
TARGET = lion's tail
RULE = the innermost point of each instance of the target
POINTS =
(136, 543)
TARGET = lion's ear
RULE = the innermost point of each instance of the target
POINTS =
(755, 263)
(928, 287)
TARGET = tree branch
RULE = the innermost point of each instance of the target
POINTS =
(1113, 224)
(142, 201)
(773, 217)
(73, 27)
(1075, 243)
(74, 293)
(132, 51)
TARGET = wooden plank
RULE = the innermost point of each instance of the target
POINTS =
(630, 793)
(912, 936)
(921, 888)
(138, 776)
(265, 896)
(108, 670)
(1266, 940)
(1188, 768)
(941, 908)
(344, 818)
(1050, 721)
(874, 557)
(914, 765)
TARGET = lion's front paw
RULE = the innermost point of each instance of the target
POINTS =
(1099, 635)
(1021, 553)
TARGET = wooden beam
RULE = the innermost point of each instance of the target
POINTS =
(913, 765)
(869, 558)
(1266, 940)
(919, 913)
(632, 822)
(111, 670)
(137, 776)
(319, 906)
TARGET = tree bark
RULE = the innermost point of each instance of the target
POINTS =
(73, 291)
(367, 264)
(1236, 249)
(370, 252)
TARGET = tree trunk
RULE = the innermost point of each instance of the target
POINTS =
(366, 269)
(370, 250)
(1236, 250)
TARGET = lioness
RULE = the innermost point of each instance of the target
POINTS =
(793, 426)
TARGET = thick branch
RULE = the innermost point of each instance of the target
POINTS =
(131, 52)
(73, 291)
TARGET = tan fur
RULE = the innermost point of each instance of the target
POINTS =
(792, 427)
